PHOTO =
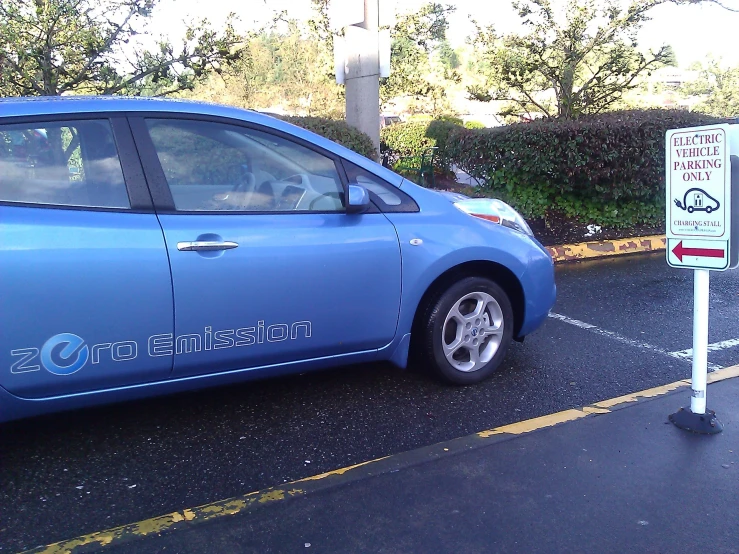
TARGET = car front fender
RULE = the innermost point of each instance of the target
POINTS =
(431, 247)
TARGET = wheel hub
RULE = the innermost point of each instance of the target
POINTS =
(473, 331)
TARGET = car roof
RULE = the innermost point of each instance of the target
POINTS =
(71, 105)
(28, 106)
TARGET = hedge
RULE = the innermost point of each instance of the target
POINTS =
(338, 131)
(412, 137)
(404, 139)
(606, 169)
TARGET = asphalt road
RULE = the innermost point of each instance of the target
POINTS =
(75, 473)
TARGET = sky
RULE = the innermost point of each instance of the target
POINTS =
(694, 31)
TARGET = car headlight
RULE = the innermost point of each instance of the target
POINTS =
(496, 211)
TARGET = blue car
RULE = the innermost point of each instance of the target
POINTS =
(154, 246)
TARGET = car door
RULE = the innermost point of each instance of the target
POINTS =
(267, 266)
(84, 275)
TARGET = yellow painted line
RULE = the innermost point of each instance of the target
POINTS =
(725, 373)
(529, 425)
(340, 471)
(602, 407)
(649, 393)
(202, 513)
(233, 506)
(159, 524)
(599, 249)
(594, 410)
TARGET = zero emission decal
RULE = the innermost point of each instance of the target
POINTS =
(67, 353)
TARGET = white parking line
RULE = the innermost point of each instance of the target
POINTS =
(638, 344)
(713, 347)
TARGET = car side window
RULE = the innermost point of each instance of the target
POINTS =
(70, 163)
(219, 167)
(384, 195)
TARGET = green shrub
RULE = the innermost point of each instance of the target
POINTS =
(450, 119)
(338, 131)
(606, 169)
(419, 117)
(404, 139)
(474, 125)
(412, 137)
(439, 130)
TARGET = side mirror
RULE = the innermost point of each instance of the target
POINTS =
(359, 200)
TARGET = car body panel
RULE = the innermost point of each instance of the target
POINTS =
(102, 276)
(14, 407)
(297, 287)
(451, 238)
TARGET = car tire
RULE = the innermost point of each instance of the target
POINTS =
(466, 330)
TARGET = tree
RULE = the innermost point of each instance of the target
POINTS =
(447, 56)
(53, 47)
(414, 37)
(288, 64)
(320, 25)
(719, 87)
(290, 68)
(566, 68)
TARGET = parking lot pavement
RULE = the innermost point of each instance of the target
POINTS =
(644, 300)
(623, 326)
(620, 479)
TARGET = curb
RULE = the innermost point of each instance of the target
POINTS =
(600, 249)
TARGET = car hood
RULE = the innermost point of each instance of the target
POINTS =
(453, 196)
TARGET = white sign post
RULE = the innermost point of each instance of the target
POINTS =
(700, 235)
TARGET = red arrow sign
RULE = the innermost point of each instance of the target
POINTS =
(679, 251)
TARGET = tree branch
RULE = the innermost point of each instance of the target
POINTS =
(716, 2)
(93, 57)
(618, 88)
(19, 71)
(535, 103)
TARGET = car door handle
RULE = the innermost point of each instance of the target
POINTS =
(206, 245)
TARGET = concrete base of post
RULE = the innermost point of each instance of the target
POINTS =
(703, 424)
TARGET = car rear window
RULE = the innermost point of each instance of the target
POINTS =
(70, 163)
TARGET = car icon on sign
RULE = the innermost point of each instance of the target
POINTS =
(698, 200)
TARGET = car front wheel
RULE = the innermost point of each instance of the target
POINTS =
(467, 331)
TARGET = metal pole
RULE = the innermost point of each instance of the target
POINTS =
(700, 340)
(697, 418)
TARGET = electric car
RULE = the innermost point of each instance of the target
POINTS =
(152, 246)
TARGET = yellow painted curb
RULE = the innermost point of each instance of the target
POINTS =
(722, 374)
(599, 249)
(649, 393)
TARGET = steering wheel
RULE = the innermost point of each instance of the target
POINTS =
(324, 195)
(247, 182)
(241, 192)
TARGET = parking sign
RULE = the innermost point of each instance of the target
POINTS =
(699, 198)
